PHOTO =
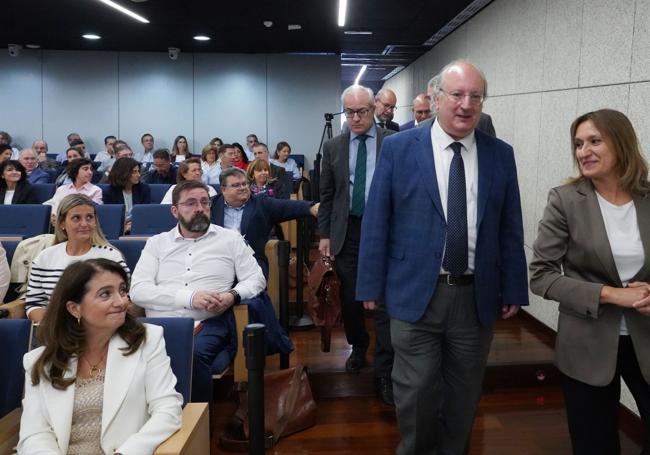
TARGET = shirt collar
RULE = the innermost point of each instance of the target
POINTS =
(176, 233)
(85, 186)
(372, 132)
(228, 206)
(445, 140)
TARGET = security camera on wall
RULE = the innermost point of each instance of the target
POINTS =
(174, 52)
(14, 50)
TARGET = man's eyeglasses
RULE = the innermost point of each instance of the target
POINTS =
(457, 97)
(425, 112)
(388, 106)
(349, 113)
(194, 204)
(237, 186)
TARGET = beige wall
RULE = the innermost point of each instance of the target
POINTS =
(546, 62)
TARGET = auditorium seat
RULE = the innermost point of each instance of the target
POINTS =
(158, 191)
(14, 339)
(151, 219)
(299, 159)
(131, 250)
(43, 191)
(111, 219)
(26, 220)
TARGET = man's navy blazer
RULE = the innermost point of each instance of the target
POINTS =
(261, 213)
(404, 228)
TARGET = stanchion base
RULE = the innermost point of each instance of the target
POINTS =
(301, 323)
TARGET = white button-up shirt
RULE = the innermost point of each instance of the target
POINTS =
(171, 268)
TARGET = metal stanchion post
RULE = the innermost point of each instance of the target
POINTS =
(284, 249)
(255, 350)
(300, 320)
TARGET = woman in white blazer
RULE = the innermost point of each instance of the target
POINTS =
(102, 381)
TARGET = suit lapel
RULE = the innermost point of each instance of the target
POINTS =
(246, 217)
(642, 206)
(120, 370)
(219, 209)
(485, 156)
(600, 241)
(60, 404)
(424, 159)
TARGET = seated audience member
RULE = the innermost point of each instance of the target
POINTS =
(29, 161)
(77, 236)
(40, 148)
(102, 381)
(72, 137)
(241, 159)
(226, 157)
(180, 149)
(209, 164)
(261, 152)
(162, 170)
(281, 158)
(80, 172)
(5, 152)
(107, 151)
(212, 259)
(190, 169)
(14, 187)
(5, 274)
(5, 139)
(122, 150)
(260, 181)
(80, 146)
(216, 141)
(253, 216)
(146, 155)
(125, 187)
(71, 155)
(251, 140)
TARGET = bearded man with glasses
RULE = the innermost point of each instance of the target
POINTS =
(346, 173)
(189, 272)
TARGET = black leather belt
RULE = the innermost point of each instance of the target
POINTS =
(463, 280)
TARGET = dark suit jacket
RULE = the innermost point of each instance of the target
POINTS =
(390, 125)
(335, 188)
(484, 124)
(261, 213)
(572, 262)
(113, 195)
(404, 229)
(284, 182)
(38, 175)
(407, 126)
(24, 194)
(154, 177)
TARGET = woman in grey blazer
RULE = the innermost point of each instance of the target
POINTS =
(592, 255)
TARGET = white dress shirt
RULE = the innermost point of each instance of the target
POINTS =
(171, 268)
(442, 156)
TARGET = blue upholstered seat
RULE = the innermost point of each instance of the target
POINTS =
(43, 191)
(131, 250)
(27, 220)
(158, 191)
(111, 219)
(14, 339)
(151, 219)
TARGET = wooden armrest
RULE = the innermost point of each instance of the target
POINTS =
(194, 435)
(10, 238)
(239, 364)
(133, 237)
(9, 431)
(16, 309)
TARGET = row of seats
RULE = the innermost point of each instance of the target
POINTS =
(29, 220)
(45, 191)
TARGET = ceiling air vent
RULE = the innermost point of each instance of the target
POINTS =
(457, 21)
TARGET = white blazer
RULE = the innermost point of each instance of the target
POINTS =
(141, 407)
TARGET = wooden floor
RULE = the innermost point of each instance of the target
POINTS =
(511, 419)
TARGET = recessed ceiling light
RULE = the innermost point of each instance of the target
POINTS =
(268, 24)
(294, 27)
(33, 46)
(357, 32)
(202, 38)
(343, 6)
(91, 36)
(122, 9)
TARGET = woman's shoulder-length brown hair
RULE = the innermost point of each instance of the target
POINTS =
(63, 336)
(619, 134)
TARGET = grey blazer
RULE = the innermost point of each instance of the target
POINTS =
(335, 188)
(572, 262)
(484, 124)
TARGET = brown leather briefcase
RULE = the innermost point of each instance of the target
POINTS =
(325, 299)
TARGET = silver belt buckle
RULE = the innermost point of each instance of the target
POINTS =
(449, 280)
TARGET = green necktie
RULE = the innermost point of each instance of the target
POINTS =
(359, 189)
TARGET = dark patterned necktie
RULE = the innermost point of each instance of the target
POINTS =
(359, 188)
(455, 260)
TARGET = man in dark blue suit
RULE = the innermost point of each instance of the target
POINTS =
(253, 216)
(421, 111)
(442, 247)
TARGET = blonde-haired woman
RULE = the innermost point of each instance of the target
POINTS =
(77, 236)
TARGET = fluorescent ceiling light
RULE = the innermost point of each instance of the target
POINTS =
(91, 36)
(122, 9)
(357, 32)
(202, 38)
(294, 27)
(343, 6)
(361, 71)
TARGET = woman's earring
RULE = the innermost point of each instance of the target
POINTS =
(78, 320)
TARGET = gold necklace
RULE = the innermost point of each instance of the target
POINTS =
(94, 369)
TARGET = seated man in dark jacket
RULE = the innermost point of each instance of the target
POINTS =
(253, 216)
(162, 170)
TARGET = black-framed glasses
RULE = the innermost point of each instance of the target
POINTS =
(349, 113)
(237, 186)
(194, 203)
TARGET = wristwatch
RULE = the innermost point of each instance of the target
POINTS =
(236, 295)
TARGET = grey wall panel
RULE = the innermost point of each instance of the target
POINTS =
(562, 44)
(641, 44)
(155, 96)
(529, 27)
(79, 94)
(300, 90)
(229, 97)
(21, 97)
